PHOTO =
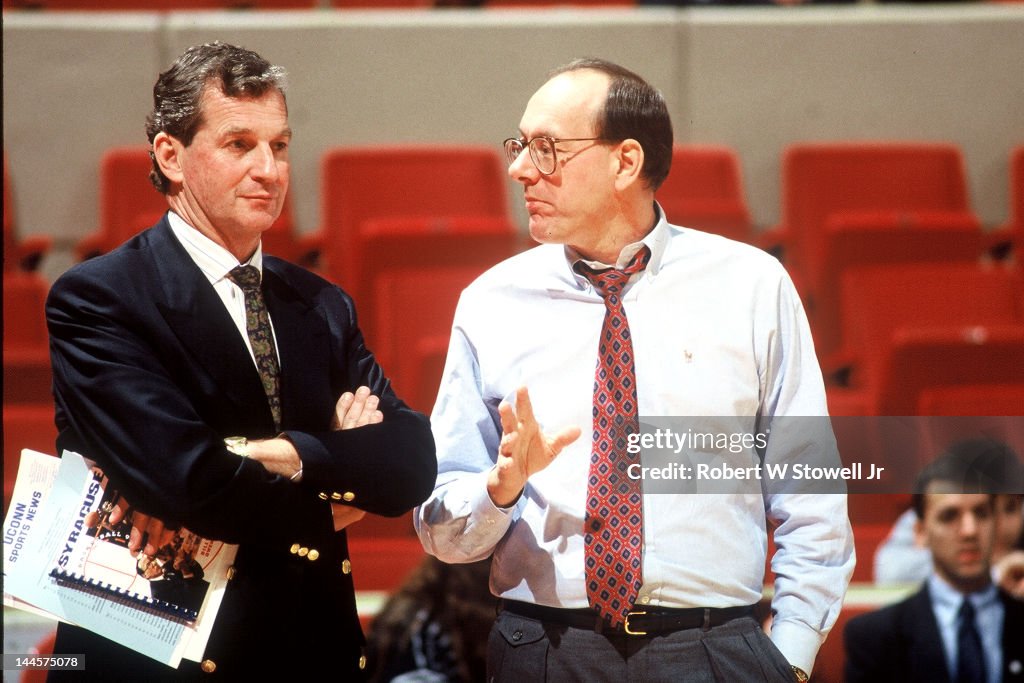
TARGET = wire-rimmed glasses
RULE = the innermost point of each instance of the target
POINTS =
(542, 150)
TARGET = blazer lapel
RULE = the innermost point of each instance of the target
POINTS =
(1013, 639)
(304, 349)
(198, 318)
(926, 651)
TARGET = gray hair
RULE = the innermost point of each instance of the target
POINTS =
(235, 71)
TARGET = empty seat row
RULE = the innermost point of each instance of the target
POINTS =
(187, 5)
(850, 192)
(178, 5)
(27, 374)
(929, 339)
(20, 253)
(388, 213)
(857, 204)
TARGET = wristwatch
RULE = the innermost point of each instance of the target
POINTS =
(239, 445)
(801, 677)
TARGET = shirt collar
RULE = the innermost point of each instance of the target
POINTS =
(656, 240)
(214, 260)
(946, 596)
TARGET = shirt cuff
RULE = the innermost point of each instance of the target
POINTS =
(485, 509)
(797, 643)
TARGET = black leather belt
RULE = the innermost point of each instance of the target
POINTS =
(639, 622)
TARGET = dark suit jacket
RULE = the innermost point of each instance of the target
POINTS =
(901, 643)
(150, 375)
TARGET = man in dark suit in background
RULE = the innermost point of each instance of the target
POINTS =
(959, 628)
(188, 335)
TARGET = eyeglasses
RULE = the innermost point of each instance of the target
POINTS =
(542, 150)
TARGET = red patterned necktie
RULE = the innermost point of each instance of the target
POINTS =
(257, 324)
(613, 528)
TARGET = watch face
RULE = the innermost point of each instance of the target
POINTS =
(239, 445)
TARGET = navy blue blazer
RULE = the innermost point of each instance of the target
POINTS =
(150, 374)
(901, 643)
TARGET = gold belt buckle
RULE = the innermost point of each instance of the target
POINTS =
(627, 629)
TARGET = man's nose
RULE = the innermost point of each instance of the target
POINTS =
(522, 169)
(969, 525)
(265, 164)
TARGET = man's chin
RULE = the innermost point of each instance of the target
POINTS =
(974, 577)
(260, 222)
(539, 231)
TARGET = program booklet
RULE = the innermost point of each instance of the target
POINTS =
(64, 557)
(95, 558)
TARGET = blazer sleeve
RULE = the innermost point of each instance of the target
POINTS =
(386, 468)
(866, 640)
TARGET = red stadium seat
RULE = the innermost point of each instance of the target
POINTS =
(1010, 237)
(159, 5)
(461, 245)
(20, 253)
(822, 179)
(852, 240)
(704, 190)
(381, 564)
(424, 377)
(878, 301)
(436, 193)
(412, 327)
(873, 509)
(971, 399)
(27, 376)
(377, 526)
(380, 4)
(129, 203)
(533, 4)
(928, 359)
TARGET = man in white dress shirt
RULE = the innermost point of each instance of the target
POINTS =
(716, 329)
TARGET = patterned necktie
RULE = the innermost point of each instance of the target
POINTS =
(257, 324)
(970, 657)
(613, 529)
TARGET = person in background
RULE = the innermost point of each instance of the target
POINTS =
(434, 628)
(901, 559)
(229, 392)
(959, 627)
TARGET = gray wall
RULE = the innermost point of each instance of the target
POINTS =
(755, 79)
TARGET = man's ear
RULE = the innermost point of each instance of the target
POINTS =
(167, 151)
(630, 164)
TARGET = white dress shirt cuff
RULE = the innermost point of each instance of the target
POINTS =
(460, 522)
(797, 643)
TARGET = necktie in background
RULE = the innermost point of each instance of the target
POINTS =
(970, 656)
(613, 528)
(257, 324)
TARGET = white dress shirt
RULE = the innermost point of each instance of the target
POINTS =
(988, 619)
(216, 262)
(717, 330)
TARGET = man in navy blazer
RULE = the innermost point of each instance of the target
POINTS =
(922, 638)
(154, 368)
